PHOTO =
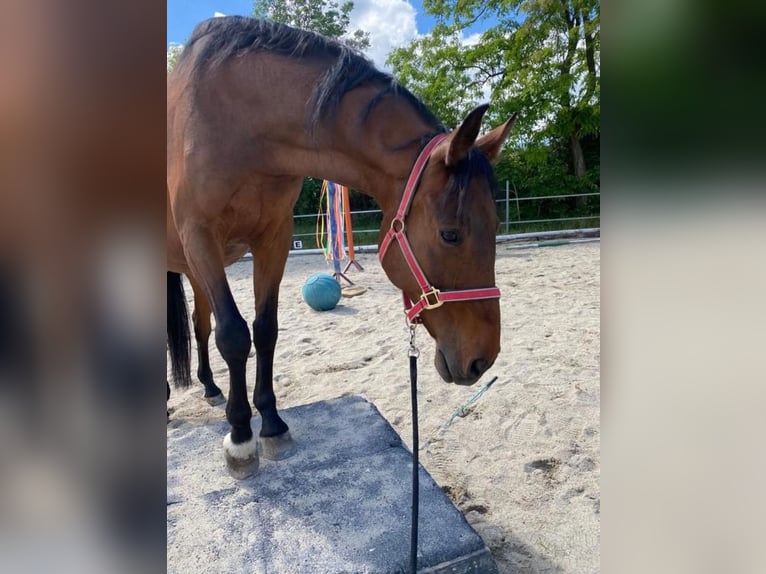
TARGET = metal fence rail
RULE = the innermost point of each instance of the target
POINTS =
(563, 226)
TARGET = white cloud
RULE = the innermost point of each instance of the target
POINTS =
(218, 15)
(471, 40)
(390, 23)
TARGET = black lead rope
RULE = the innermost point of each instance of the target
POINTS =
(415, 464)
(414, 353)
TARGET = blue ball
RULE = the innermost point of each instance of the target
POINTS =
(321, 291)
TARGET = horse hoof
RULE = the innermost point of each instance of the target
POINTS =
(278, 447)
(241, 459)
(218, 399)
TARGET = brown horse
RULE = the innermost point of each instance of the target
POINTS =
(255, 106)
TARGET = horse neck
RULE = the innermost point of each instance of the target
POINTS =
(374, 157)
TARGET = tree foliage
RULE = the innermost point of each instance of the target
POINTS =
(540, 58)
(174, 50)
(327, 17)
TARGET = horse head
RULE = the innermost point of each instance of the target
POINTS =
(445, 263)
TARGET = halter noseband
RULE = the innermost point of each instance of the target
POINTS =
(430, 297)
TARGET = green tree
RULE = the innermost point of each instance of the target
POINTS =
(541, 58)
(327, 17)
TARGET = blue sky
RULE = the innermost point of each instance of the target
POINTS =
(391, 23)
(183, 15)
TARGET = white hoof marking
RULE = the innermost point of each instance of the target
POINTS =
(241, 451)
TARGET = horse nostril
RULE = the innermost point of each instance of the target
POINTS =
(478, 367)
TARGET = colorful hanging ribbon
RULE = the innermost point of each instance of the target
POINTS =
(330, 224)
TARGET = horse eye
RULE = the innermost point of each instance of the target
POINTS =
(450, 236)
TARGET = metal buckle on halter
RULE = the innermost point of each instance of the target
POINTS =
(434, 292)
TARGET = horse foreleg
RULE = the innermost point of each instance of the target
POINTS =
(232, 338)
(268, 267)
(202, 330)
(275, 437)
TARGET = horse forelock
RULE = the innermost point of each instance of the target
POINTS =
(474, 166)
(220, 39)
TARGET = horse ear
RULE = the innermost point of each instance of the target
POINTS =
(463, 138)
(491, 143)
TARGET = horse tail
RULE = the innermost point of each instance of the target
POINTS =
(179, 341)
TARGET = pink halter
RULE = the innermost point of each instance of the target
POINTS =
(431, 297)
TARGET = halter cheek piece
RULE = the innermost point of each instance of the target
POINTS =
(430, 297)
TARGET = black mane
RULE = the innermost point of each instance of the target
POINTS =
(224, 38)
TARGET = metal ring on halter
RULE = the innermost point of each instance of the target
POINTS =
(394, 221)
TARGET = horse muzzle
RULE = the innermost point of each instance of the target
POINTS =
(465, 375)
